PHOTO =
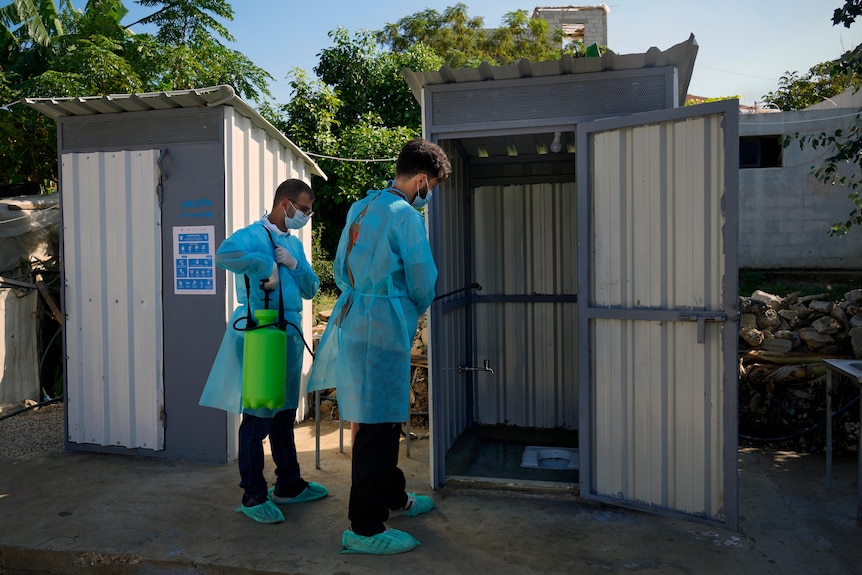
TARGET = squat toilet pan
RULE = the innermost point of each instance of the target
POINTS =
(550, 457)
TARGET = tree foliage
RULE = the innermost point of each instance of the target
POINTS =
(463, 42)
(821, 82)
(190, 33)
(51, 52)
(360, 107)
(842, 164)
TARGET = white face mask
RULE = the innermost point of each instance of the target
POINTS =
(420, 202)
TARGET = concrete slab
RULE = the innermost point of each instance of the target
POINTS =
(83, 514)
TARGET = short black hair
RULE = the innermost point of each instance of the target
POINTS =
(419, 156)
(292, 189)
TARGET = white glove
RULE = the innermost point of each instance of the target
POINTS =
(272, 282)
(283, 257)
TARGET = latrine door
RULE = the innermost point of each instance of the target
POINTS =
(113, 299)
(657, 280)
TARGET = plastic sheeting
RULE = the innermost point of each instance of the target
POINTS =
(19, 364)
(29, 228)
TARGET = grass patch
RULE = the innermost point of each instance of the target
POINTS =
(781, 283)
(325, 299)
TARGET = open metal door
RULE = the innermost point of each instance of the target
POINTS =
(657, 280)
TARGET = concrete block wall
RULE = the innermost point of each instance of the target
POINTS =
(593, 18)
(785, 213)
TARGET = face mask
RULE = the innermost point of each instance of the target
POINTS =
(299, 218)
(420, 202)
(297, 221)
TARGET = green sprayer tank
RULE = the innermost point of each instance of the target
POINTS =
(264, 366)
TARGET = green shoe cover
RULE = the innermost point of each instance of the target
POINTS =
(266, 512)
(416, 505)
(313, 492)
(390, 542)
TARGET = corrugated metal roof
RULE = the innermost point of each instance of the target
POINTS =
(222, 95)
(681, 56)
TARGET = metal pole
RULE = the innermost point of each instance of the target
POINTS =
(828, 427)
(859, 465)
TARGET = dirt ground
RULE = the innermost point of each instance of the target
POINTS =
(87, 514)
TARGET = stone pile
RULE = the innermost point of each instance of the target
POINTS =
(783, 342)
(811, 323)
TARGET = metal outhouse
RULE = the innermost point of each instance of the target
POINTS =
(587, 239)
(150, 185)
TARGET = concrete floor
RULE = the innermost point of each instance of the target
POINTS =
(78, 513)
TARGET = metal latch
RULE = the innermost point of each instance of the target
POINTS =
(701, 318)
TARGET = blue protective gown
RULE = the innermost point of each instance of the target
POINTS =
(386, 283)
(250, 251)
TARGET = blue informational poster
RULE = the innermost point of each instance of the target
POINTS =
(194, 265)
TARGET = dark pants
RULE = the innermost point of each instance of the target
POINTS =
(252, 432)
(377, 483)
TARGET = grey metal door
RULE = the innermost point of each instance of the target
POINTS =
(657, 284)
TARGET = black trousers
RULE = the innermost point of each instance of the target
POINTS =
(377, 483)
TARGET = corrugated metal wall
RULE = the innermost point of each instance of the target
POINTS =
(449, 324)
(113, 300)
(658, 244)
(525, 258)
(255, 165)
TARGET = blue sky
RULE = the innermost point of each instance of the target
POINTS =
(745, 46)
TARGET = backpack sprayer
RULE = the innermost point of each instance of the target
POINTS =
(264, 352)
(264, 366)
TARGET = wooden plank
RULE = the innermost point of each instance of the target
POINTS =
(49, 299)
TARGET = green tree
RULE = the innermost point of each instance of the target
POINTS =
(46, 52)
(360, 107)
(462, 41)
(842, 165)
(190, 34)
(27, 46)
(822, 81)
(32, 21)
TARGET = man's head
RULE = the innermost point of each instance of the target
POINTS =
(421, 165)
(293, 205)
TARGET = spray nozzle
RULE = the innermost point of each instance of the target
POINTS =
(266, 292)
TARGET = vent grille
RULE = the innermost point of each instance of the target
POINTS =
(608, 96)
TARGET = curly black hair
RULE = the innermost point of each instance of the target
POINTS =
(419, 156)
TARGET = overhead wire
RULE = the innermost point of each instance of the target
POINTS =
(350, 159)
(24, 217)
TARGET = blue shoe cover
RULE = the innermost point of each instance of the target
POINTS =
(313, 492)
(416, 505)
(266, 512)
(390, 542)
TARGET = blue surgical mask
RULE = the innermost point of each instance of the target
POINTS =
(420, 202)
(297, 221)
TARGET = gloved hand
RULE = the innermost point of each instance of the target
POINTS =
(272, 282)
(283, 257)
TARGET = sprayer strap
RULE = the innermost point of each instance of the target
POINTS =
(282, 323)
(249, 318)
